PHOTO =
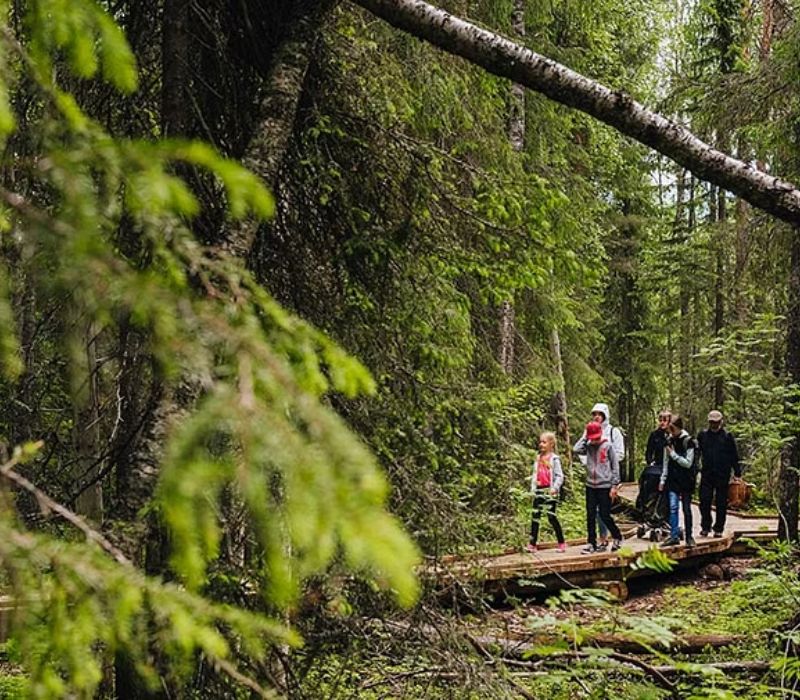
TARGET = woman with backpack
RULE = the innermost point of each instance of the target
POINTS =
(678, 476)
(546, 482)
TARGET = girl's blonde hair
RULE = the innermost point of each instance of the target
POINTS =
(550, 438)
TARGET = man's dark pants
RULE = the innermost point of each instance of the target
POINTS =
(713, 488)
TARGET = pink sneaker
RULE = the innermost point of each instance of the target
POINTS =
(531, 547)
(562, 547)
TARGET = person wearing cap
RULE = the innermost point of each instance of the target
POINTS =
(719, 458)
(602, 480)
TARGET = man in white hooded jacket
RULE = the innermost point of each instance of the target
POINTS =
(601, 414)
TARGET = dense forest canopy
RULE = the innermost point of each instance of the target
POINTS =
(288, 294)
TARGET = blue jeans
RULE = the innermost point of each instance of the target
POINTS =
(602, 527)
(675, 501)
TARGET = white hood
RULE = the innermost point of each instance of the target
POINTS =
(602, 408)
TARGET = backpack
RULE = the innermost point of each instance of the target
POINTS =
(694, 470)
(621, 455)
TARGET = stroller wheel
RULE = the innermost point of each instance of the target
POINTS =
(640, 531)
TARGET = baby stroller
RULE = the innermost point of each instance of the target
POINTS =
(652, 507)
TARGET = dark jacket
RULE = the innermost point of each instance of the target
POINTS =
(654, 453)
(719, 454)
(679, 473)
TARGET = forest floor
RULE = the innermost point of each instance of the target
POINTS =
(745, 601)
(558, 649)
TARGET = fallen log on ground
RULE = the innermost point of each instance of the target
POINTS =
(687, 644)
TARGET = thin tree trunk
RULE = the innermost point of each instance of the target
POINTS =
(559, 400)
(516, 136)
(503, 57)
(507, 331)
(681, 229)
(175, 67)
(719, 320)
(516, 122)
(719, 289)
(742, 256)
(86, 431)
(788, 485)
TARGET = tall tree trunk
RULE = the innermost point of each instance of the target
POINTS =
(516, 122)
(504, 58)
(175, 68)
(516, 135)
(719, 291)
(742, 246)
(86, 429)
(263, 155)
(788, 484)
(507, 331)
(681, 229)
(559, 399)
(142, 538)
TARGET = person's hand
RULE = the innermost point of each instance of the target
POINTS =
(613, 493)
(554, 492)
(670, 449)
(661, 487)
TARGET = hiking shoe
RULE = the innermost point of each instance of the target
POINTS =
(703, 533)
(717, 533)
(590, 549)
(562, 546)
(670, 542)
(690, 541)
(531, 547)
(615, 545)
(601, 547)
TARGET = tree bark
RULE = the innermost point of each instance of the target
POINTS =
(504, 58)
(270, 139)
(507, 331)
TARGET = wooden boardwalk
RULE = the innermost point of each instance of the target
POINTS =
(525, 574)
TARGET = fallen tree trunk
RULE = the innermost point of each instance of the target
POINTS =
(507, 59)
(689, 644)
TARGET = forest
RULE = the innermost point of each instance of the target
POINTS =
(290, 289)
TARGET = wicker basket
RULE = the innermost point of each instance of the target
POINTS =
(739, 492)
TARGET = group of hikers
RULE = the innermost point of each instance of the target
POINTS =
(673, 460)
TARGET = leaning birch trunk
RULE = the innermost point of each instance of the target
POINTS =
(504, 58)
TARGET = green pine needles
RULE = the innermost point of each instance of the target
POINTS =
(256, 424)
